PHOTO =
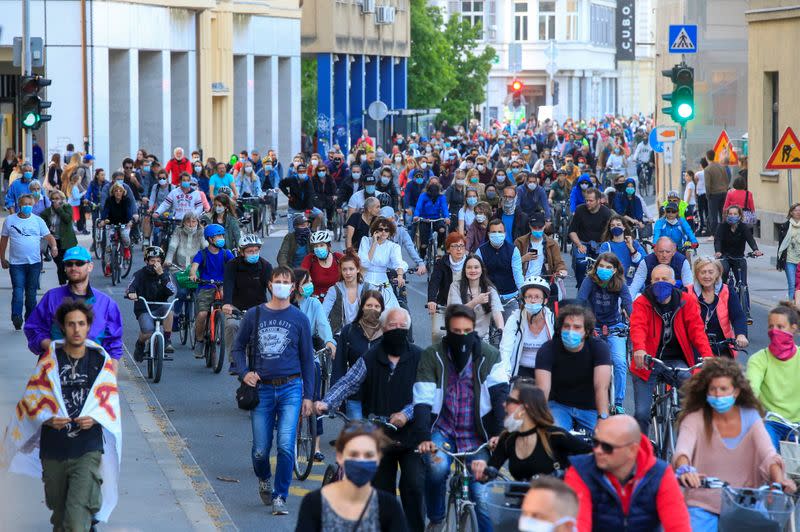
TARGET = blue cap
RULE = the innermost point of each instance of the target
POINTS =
(77, 253)
(88, 157)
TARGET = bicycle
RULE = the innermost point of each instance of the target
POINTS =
(431, 251)
(155, 358)
(325, 362)
(339, 221)
(306, 437)
(723, 347)
(214, 335)
(162, 229)
(604, 333)
(460, 515)
(250, 206)
(665, 407)
(120, 266)
(563, 226)
(733, 279)
(746, 509)
(789, 445)
(504, 499)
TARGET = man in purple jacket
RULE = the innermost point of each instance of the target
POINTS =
(41, 327)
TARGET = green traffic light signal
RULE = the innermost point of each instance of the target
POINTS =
(32, 105)
(30, 119)
(682, 96)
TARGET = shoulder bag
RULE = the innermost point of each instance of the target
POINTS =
(748, 216)
(246, 395)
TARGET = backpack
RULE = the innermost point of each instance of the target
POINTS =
(204, 260)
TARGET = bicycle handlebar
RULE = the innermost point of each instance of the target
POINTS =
(148, 303)
(651, 362)
(773, 416)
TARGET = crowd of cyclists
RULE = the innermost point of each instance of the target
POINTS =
(533, 353)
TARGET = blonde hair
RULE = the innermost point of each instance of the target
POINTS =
(704, 261)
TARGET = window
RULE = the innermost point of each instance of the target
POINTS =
(602, 26)
(521, 21)
(473, 12)
(771, 82)
(571, 21)
(547, 20)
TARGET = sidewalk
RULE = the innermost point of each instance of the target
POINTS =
(156, 489)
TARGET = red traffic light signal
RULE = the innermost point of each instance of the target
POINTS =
(516, 85)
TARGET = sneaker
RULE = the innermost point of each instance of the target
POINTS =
(17, 321)
(319, 457)
(107, 270)
(168, 348)
(126, 254)
(138, 352)
(265, 491)
(279, 506)
(619, 410)
(198, 349)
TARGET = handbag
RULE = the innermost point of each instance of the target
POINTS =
(246, 395)
(748, 216)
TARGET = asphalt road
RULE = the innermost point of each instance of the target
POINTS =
(201, 407)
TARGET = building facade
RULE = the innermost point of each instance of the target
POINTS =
(214, 75)
(361, 48)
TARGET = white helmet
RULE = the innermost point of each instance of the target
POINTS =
(321, 237)
(249, 240)
(534, 281)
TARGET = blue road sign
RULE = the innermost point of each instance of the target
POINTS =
(658, 147)
(682, 39)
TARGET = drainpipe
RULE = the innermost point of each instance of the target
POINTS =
(84, 77)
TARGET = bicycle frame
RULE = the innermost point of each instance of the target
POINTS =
(157, 320)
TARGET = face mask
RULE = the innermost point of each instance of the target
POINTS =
(219, 210)
(356, 176)
(511, 423)
(509, 204)
(526, 152)
(428, 149)
(162, 182)
(630, 191)
(252, 259)
(267, 167)
(147, 168)
(370, 189)
(733, 220)
(497, 239)
(604, 274)
(617, 231)
(501, 178)
(360, 472)
(419, 180)
(460, 347)
(571, 339)
(190, 230)
(186, 185)
(531, 524)
(371, 316)
(480, 218)
(491, 195)
(314, 162)
(721, 404)
(531, 186)
(26, 209)
(248, 169)
(362, 158)
(584, 186)
(662, 290)
(27, 175)
(616, 152)
(460, 182)
(36, 195)
(672, 221)
(781, 344)
(322, 174)
(395, 341)
(398, 160)
(303, 176)
(481, 167)
(423, 165)
(533, 308)
(281, 290)
(321, 253)
(120, 181)
(471, 201)
(433, 190)
(385, 180)
(308, 289)
(220, 242)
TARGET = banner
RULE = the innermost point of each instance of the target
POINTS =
(626, 30)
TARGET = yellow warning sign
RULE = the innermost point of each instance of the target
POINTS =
(723, 146)
(786, 155)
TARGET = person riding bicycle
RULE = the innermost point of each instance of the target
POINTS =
(461, 386)
(184, 244)
(531, 197)
(527, 328)
(181, 200)
(628, 204)
(153, 283)
(773, 372)
(531, 443)
(586, 231)
(475, 290)
(383, 377)
(446, 270)
(674, 197)
(674, 227)
(578, 191)
(245, 281)
(324, 198)
(664, 252)
(224, 214)
(618, 239)
(403, 239)
(118, 210)
(431, 205)
(208, 265)
(295, 245)
(722, 314)
(323, 263)
(721, 434)
(378, 254)
(729, 242)
(298, 188)
(541, 255)
(504, 264)
(385, 185)
(158, 194)
(623, 486)
(665, 324)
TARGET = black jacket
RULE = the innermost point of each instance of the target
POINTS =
(441, 279)
(323, 192)
(390, 514)
(148, 284)
(351, 345)
(300, 193)
(245, 284)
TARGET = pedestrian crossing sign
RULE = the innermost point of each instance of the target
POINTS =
(683, 39)
(786, 155)
(723, 146)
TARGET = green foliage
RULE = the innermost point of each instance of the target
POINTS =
(308, 95)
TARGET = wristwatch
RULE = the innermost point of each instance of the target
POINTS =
(604, 415)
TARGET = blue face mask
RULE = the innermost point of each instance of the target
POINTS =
(537, 234)
(27, 175)
(533, 308)
(370, 189)
(733, 220)
(472, 201)
(252, 259)
(303, 176)
(419, 180)
(186, 185)
(497, 239)
(571, 339)
(120, 182)
(604, 274)
(308, 289)
(360, 472)
(662, 290)
(616, 231)
(26, 209)
(220, 242)
(145, 168)
(321, 253)
(630, 190)
(721, 404)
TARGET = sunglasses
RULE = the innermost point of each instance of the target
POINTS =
(74, 264)
(672, 211)
(382, 230)
(606, 447)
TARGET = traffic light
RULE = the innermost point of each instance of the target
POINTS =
(517, 86)
(516, 92)
(682, 96)
(32, 105)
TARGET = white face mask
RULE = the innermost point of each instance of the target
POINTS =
(281, 290)
(532, 524)
(314, 162)
(511, 423)
(219, 210)
(460, 182)
(398, 160)
(423, 165)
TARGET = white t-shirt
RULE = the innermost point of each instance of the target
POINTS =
(530, 345)
(535, 265)
(468, 215)
(25, 236)
(701, 182)
(689, 195)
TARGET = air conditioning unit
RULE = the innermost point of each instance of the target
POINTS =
(368, 6)
(384, 15)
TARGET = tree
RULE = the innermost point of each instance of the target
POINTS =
(431, 76)
(308, 95)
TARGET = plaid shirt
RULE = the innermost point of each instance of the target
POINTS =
(457, 419)
(350, 383)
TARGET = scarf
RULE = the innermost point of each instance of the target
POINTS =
(370, 324)
(457, 266)
(792, 232)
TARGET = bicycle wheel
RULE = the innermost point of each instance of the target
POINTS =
(149, 358)
(468, 519)
(304, 446)
(219, 339)
(115, 265)
(97, 240)
(157, 357)
(331, 474)
(183, 326)
(208, 345)
(125, 265)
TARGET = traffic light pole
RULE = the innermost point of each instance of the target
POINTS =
(27, 144)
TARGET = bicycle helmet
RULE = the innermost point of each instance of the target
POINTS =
(534, 281)
(385, 199)
(153, 252)
(213, 230)
(224, 190)
(249, 240)
(321, 237)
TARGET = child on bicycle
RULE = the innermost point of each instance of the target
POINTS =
(155, 285)
(208, 265)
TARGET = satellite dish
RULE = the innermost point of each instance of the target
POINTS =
(377, 110)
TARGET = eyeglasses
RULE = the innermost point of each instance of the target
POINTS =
(382, 230)
(607, 448)
(457, 246)
(75, 264)
(673, 211)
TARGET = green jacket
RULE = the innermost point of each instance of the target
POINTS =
(287, 251)
(681, 207)
(490, 389)
(66, 235)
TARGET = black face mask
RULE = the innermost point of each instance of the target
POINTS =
(433, 191)
(460, 347)
(395, 341)
(620, 187)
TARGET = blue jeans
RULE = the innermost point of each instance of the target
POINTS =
(437, 471)
(616, 345)
(790, 270)
(24, 283)
(702, 520)
(281, 404)
(352, 409)
(569, 417)
(643, 391)
(579, 263)
(777, 432)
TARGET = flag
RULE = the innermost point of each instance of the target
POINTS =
(42, 400)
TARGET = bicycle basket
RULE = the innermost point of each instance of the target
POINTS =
(790, 452)
(503, 501)
(182, 278)
(747, 509)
